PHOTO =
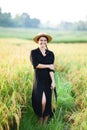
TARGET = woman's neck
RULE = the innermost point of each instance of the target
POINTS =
(43, 51)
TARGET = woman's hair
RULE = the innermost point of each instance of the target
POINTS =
(46, 47)
(42, 36)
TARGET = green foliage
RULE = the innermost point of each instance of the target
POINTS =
(5, 20)
(64, 91)
(22, 20)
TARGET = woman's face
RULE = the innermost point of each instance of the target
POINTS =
(42, 42)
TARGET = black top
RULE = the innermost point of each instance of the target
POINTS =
(42, 81)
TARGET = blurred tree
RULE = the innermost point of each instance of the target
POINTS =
(25, 21)
(65, 25)
(22, 20)
(35, 23)
(81, 25)
(18, 21)
(0, 10)
(5, 19)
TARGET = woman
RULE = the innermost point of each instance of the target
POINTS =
(43, 62)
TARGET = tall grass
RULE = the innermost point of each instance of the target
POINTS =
(16, 78)
(63, 105)
(72, 63)
(15, 85)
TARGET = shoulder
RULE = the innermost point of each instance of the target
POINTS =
(51, 52)
(34, 50)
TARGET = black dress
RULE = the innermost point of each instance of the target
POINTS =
(42, 81)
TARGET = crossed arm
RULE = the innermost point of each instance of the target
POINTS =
(51, 67)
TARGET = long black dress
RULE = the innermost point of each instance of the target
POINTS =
(42, 81)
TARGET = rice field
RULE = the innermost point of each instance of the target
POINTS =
(58, 36)
(16, 78)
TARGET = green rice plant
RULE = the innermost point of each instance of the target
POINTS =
(64, 90)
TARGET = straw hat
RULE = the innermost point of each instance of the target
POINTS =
(42, 35)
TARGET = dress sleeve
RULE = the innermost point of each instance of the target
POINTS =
(34, 59)
(52, 58)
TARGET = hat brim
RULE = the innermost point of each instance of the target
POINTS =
(42, 35)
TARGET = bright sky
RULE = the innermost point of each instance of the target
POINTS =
(54, 11)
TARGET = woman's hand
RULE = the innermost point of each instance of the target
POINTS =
(52, 85)
(51, 66)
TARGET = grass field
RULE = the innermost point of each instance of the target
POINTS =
(16, 78)
(58, 36)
